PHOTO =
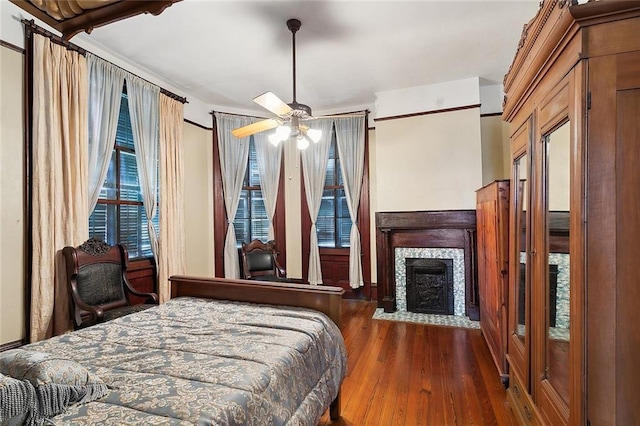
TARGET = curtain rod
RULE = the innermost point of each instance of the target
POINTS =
(363, 112)
(31, 26)
(350, 113)
(236, 114)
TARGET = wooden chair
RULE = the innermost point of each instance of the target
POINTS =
(259, 262)
(96, 276)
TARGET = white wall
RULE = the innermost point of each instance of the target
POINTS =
(293, 215)
(506, 150)
(198, 200)
(495, 149)
(491, 98)
(496, 157)
(430, 159)
(11, 197)
(432, 97)
(559, 168)
(429, 162)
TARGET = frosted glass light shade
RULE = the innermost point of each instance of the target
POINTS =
(274, 139)
(303, 142)
(281, 134)
(314, 135)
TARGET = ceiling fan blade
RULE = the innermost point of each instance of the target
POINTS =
(271, 102)
(259, 126)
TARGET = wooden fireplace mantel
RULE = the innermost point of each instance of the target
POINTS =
(425, 229)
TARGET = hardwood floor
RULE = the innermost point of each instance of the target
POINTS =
(415, 374)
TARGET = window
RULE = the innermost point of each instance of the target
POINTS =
(251, 221)
(119, 216)
(334, 223)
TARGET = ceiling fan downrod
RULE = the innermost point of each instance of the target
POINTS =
(294, 25)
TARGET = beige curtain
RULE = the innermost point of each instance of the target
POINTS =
(171, 247)
(60, 141)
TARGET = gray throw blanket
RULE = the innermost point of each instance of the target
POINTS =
(17, 402)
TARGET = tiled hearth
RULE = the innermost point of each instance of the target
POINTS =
(443, 320)
(562, 289)
(561, 330)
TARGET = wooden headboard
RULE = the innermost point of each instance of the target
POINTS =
(321, 298)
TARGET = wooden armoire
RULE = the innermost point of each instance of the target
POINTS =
(573, 105)
(492, 242)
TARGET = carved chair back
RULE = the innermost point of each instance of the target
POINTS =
(96, 276)
(259, 261)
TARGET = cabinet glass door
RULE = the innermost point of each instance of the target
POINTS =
(558, 166)
(521, 201)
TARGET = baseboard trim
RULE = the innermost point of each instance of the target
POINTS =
(12, 345)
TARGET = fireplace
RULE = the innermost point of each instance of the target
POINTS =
(428, 260)
(430, 286)
(426, 234)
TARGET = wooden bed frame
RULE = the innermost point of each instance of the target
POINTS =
(321, 298)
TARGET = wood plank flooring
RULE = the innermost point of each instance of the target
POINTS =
(415, 374)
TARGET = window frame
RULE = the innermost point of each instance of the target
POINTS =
(220, 224)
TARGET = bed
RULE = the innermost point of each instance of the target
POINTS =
(209, 355)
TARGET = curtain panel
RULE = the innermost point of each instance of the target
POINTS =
(143, 110)
(171, 244)
(105, 95)
(234, 154)
(314, 170)
(350, 139)
(269, 159)
(59, 179)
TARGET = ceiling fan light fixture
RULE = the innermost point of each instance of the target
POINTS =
(303, 142)
(281, 134)
(274, 139)
(314, 135)
(291, 118)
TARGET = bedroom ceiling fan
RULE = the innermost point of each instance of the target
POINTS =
(289, 116)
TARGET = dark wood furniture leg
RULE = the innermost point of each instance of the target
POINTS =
(334, 408)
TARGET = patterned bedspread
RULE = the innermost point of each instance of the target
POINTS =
(199, 361)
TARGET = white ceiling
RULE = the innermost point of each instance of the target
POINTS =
(225, 53)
